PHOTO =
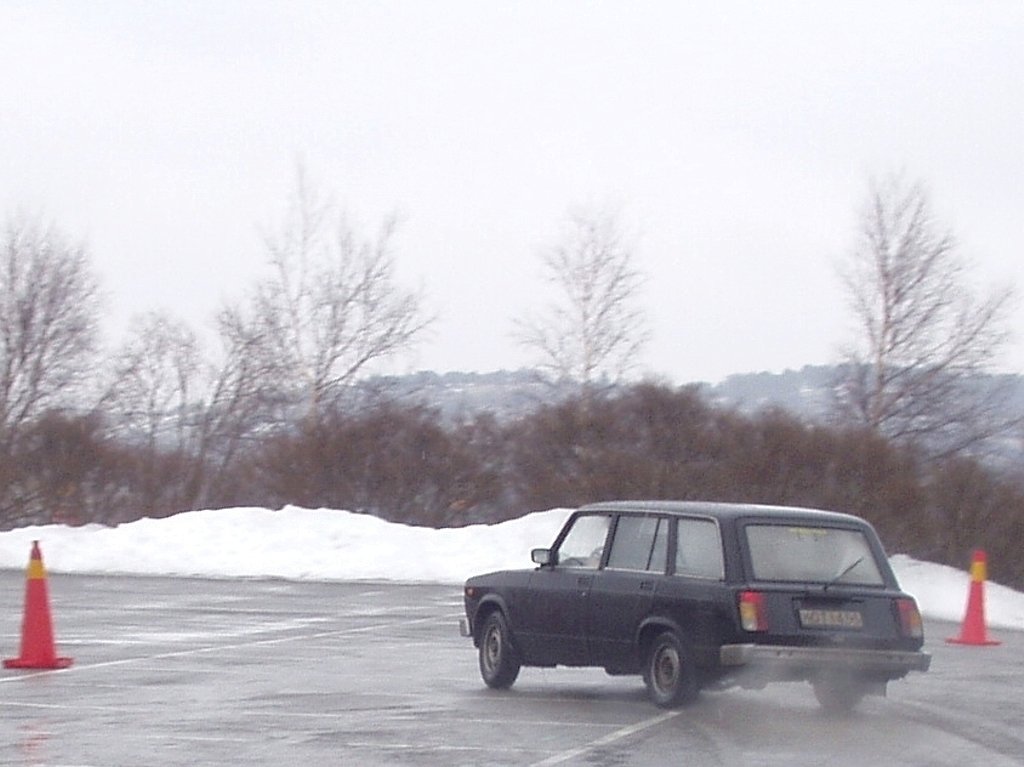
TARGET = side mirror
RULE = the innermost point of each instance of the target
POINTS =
(542, 557)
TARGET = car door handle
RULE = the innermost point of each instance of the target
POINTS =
(584, 581)
(647, 585)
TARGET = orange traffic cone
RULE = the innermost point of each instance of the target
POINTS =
(37, 648)
(973, 630)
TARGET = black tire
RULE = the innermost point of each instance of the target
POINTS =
(838, 696)
(670, 672)
(499, 661)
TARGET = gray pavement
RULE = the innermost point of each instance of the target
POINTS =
(200, 672)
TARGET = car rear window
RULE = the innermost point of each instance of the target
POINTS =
(811, 554)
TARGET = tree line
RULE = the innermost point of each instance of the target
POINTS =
(279, 413)
(402, 461)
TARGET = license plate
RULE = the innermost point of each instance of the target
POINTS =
(831, 619)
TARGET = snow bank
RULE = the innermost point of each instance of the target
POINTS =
(325, 544)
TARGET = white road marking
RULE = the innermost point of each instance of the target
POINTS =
(607, 740)
(208, 649)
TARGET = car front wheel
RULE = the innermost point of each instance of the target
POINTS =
(669, 672)
(499, 661)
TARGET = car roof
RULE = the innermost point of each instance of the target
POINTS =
(722, 510)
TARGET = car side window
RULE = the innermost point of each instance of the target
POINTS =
(640, 543)
(699, 549)
(584, 543)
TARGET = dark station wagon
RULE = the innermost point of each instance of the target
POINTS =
(692, 595)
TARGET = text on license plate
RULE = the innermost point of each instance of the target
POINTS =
(831, 619)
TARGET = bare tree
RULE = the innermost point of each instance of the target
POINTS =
(188, 415)
(49, 313)
(593, 331)
(916, 371)
(332, 305)
(154, 378)
(238, 398)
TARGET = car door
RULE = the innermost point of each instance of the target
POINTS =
(554, 621)
(623, 591)
(695, 596)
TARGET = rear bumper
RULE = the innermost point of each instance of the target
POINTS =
(808, 662)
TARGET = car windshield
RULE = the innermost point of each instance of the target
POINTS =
(826, 555)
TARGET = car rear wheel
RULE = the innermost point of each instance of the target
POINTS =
(669, 672)
(499, 661)
(838, 695)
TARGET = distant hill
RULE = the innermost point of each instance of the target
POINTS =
(807, 392)
(504, 393)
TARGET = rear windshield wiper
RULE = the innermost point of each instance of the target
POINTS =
(846, 571)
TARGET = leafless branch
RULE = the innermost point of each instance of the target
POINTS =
(594, 330)
(914, 374)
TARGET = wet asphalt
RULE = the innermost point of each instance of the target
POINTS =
(217, 672)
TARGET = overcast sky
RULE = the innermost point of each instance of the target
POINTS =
(736, 141)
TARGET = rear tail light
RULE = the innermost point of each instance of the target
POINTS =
(753, 616)
(910, 618)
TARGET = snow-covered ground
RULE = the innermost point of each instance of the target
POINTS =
(329, 545)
